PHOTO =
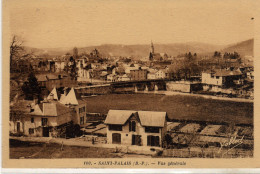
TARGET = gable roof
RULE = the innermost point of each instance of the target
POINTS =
(71, 98)
(152, 118)
(147, 118)
(227, 73)
(50, 109)
(53, 94)
(223, 72)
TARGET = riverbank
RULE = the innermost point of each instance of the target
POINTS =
(197, 95)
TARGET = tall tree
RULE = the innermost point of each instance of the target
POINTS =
(31, 87)
(72, 69)
(15, 48)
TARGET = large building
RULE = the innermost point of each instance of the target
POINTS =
(139, 74)
(142, 128)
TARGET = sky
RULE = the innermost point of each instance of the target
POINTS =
(57, 24)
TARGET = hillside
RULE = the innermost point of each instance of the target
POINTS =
(245, 48)
(143, 50)
(138, 51)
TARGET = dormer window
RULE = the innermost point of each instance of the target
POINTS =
(132, 126)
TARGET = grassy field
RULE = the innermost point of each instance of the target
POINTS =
(178, 107)
(19, 149)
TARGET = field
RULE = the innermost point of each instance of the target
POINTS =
(19, 149)
(177, 107)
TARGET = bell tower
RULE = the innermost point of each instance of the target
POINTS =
(152, 47)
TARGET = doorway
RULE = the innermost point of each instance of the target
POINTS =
(136, 140)
(18, 127)
(116, 138)
(45, 132)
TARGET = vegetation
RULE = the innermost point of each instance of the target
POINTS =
(186, 67)
(71, 68)
(15, 49)
(19, 149)
(177, 107)
(31, 88)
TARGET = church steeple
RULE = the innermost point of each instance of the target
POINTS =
(152, 47)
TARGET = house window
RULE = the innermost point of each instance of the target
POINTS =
(44, 121)
(153, 141)
(217, 77)
(31, 131)
(81, 120)
(115, 127)
(81, 110)
(132, 126)
(152, 129)
(116, 138)
(32, 120)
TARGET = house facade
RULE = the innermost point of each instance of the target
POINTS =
(74, 101)
(139, 74)
(218, 79)
(44, 117)
(142, 128)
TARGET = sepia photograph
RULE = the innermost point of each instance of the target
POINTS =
(130, 80)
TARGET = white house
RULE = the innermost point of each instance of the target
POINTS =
(111, 78)
(74, 101)
(142, 128)
(59, 66)
(44, 116)
(151, 76)
(160, 74)
(217, 79)
(84, 74)
(123, 78)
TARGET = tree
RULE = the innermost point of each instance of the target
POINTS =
(31, 87)
(72, 69)
(15, 48)
(217, 54)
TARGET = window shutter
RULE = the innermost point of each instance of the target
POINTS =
(157, 143)
(130, 126)
(133, 126)
(148, 140)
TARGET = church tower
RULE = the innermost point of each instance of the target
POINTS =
(152, 47)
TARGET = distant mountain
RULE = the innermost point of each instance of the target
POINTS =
(143, 50)
(138, 51)
(244, 48)
(48, 51)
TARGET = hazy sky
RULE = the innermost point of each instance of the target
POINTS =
(49, 24)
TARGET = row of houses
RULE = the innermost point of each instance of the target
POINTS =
(130, 127)
(51, 80)
(114, 74)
